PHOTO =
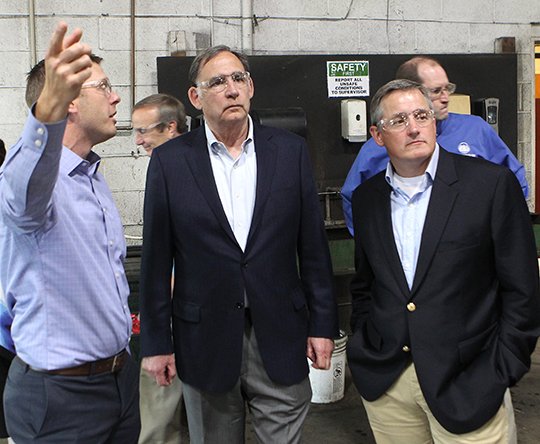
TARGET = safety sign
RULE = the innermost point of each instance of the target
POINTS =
(348, 78)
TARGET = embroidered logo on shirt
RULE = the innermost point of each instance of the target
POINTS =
(464, 148)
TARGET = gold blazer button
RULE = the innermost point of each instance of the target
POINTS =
(411, 306)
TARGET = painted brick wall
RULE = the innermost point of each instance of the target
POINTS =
(280, 27)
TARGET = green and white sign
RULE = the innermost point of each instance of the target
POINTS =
(347, 79)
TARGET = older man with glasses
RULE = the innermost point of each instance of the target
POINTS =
(445, 297)
(234, 205)
(458, 133)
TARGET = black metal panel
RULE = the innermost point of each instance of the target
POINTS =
(300, 81)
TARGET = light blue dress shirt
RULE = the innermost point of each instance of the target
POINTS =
(236, 181)
(61, 253)
(409, 211)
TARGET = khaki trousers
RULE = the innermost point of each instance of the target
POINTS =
(161, 411)
(402, 416)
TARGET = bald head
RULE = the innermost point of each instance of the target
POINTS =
(431, 74)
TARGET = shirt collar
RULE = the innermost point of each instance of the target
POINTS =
(216, 147)
(71, 163)
(430, 172)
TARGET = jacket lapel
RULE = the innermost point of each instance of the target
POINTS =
(383, 218)
(199, 163)
(442, 200)
(266, 153)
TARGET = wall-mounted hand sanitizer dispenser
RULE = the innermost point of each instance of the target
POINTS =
(354, 120)
(488, 109)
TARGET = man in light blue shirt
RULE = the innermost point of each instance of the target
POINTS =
(457, 133)
(62, 251)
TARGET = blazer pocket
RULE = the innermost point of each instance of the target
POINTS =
(458, 244)
(470, 348)
(365, 338)
(187, 311)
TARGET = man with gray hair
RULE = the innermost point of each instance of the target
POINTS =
(234, 205)
(458, 133)
(445, 296)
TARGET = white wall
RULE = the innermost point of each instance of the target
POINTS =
(281, 27)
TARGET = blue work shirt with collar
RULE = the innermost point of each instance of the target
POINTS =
(61, 253)
(459, 133)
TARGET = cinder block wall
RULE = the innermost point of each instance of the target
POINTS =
(259, 27)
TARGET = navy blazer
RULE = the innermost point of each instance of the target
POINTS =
(476, 313)
(285, 270)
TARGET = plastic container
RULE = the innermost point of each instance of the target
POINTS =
(329, 385)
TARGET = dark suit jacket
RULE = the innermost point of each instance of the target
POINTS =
(285, 270)
(475, 293)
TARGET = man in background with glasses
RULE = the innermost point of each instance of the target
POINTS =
(457, 133)
(156, 119)
(61, 261)
(445, 298)
(234, 205)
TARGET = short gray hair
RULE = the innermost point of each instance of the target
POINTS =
(376, 111)
(208, 55)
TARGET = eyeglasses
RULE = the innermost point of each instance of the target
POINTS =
(400, 121)
(450, 89)
(102, 85)
(143, 131)
(219, 83)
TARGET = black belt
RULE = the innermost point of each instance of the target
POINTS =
(108, 365)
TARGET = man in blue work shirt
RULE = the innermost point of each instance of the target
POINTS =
(457, 133)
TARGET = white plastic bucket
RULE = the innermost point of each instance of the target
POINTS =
(329, 385)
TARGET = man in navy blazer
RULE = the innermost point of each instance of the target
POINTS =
(445, 297)
(234, 206)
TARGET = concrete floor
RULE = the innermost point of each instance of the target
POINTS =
(345, 421)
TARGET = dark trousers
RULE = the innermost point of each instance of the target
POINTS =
(43, 408)
(5, 361)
